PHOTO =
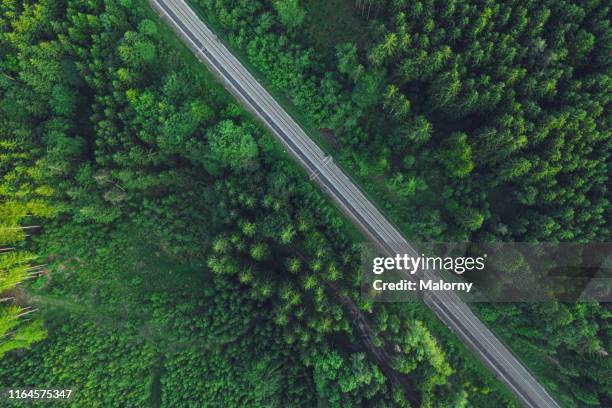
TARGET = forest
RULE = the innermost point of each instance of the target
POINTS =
(464, 121)
(159, 248)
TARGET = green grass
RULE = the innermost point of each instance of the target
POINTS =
(78, 289)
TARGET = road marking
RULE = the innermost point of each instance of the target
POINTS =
(326, 161)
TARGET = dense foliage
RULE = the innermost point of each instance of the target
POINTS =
(190, 262)
(23, 203)
(500, 108)
(466, 121)
(188, 258)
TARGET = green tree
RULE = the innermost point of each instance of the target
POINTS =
(290, 13)
(231, 146)
(457, 158)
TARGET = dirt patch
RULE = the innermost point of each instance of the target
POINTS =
(330, 137)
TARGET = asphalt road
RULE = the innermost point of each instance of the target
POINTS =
(447, 306)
